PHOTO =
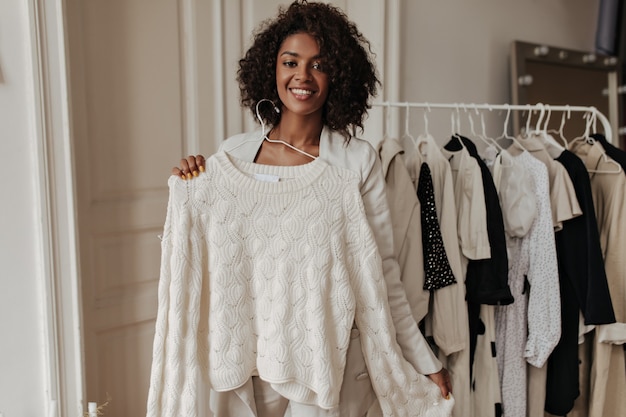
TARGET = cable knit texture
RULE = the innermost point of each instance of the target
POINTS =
(269, 276)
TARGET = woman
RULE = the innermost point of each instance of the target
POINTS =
(314, 66)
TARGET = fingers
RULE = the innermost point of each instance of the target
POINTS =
(442, 379)
(189, 167)
(201, 162)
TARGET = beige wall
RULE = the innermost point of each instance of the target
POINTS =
(458, 50)
(451, 51)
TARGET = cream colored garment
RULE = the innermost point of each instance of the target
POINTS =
(609, 199)
(607, 379)
(486, 384)
(563, 199)
(469, 199)
(517, 198)
(447, 320)
(407, 231)
(407, 226)
(448, 312)
(359, 156)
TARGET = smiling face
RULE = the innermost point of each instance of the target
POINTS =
(300, 78)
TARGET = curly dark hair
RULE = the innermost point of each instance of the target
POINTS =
(348, 61)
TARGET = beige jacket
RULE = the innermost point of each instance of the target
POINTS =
(407, 226)
(607, 378)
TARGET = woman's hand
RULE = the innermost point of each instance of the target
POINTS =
(442, 379)
(189, 167)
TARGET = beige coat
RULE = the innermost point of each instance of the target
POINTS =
(608, 186)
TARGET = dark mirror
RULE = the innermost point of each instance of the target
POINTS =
(559, 76)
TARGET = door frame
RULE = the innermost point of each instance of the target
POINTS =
(58, 226)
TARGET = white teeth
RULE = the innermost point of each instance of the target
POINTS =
(301, 92)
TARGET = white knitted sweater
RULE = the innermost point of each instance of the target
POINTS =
(268, 277)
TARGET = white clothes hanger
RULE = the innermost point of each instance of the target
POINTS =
(567, 113)
(484, 135)
(473, 131)
(407, 134)
(505, 132)
(456, 124)
(547, 138)
(426, 119)
(493, 148)
(264, 134)
(586, 137)
(589, 122)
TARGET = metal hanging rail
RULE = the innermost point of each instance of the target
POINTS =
(606, 125)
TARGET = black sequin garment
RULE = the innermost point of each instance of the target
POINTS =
(438, 273)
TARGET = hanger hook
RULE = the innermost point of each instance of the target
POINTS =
(426, 119)
(387, 119)
(528, 119)
(542, 112)
(406, 119)
(595, 119)
(471, 122)
(562, 123)
(545, 125)
(258, 114)
(506, 121)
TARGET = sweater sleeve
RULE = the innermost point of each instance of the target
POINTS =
(408, 335)
(178, 348)
(400, 389)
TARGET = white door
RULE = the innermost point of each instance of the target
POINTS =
(139, 104)
(150, 81)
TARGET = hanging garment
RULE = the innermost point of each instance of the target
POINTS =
(614, 152)
(565, 206)
(528, 329)
(437, 271)
(487, 285)
(469, 196)
(563, 200)
(407, 227)
(608, 379)
(447, 320)
(583, 289)
(609, 198)
(320, 265)
(486, 279)
(516, 194)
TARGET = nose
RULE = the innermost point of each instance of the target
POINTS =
(304, 73)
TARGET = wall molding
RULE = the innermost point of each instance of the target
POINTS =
(62, 337)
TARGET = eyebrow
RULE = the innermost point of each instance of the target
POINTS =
(296, 55)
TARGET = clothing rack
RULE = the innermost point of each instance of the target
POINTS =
(606, 125)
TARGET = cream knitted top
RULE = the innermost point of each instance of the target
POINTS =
(264, 269)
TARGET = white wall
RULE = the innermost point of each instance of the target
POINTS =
(21, 325)
(453, 50)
